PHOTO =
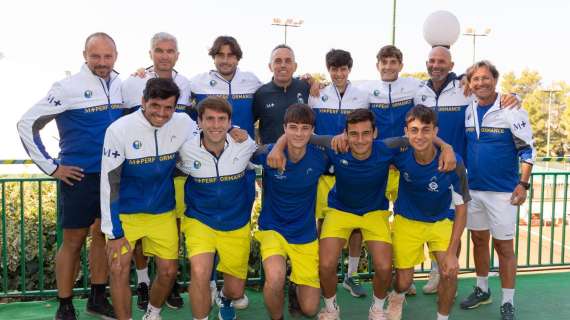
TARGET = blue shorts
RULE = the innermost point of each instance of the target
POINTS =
(80, 204)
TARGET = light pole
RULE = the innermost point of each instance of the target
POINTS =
(394, 23)
(550, 92)
(473, 33)
(286, 23)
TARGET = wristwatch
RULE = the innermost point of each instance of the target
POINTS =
(525, 185)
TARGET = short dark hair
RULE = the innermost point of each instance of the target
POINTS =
(360, 115)
(425, 115)
(483, 64)
(214, 103)
(281, 46)
(338, 58)
(160, 88)
(390, 51)
(102, 35)
(226, 40)
(299, 113)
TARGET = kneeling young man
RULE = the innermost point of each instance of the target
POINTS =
(430, 209)
(287, 226)
(137, 192)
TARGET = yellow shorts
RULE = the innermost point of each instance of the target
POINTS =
(179, 196)
(326, 182)
(374, 225)
(304, 257)
(157, 232)
(232, 246)
(409, 237)
(392, 185)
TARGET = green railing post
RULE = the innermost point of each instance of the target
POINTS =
(564, 217)
(40, 237)
(553, 221)
(541, 219)
(22, 241)
(4, 244)
(529, 224)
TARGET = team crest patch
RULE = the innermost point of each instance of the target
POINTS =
(424, 97)
(88, 94)
(376, 92)
(212, 83)
(407, 177)
(137, 144)
(433, 186)
(197, 164)
(344, 162)
(324, 98)
(300, 98)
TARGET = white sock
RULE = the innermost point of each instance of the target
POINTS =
(483, 283)
(330, 303)
(378, 303)
(442, 317)
(142, 276)
(153, 310)
(352, 265)
(434, 267)
(508, 296)
(213, 284)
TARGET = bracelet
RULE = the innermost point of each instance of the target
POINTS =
(525, 185)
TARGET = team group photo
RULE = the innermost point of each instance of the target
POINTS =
(353, 196)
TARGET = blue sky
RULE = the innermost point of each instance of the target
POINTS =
(40, 40)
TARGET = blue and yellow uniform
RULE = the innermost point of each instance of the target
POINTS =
(357, 200)
(137, 195)
(425, 208)
(331, 108)
(217, 211)
(287, 223)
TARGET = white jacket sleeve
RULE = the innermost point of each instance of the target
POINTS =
(34, 120)
(111, 166)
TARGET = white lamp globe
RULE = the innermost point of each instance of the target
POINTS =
(441, 28)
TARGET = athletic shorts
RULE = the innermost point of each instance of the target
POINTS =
(409, 237)
(392, 185)
(492, 211)
(326, 183)
(232, 246)
(157, 232)
(80, 204)
(179, 196)
(304, 257)
(374, 225)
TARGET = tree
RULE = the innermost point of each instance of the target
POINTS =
(536, 101)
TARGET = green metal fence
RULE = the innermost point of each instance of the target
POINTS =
(30, 236)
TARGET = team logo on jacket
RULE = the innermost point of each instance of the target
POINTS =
(376, 92)
(197, 164)
(212, 83)
(407, 177)
(300, 97)
(88, 94)
(137, 144)
(424, 97)
(344, 162)
(324, 98)
(433, 186)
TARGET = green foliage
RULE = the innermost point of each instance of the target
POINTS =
(22, 230)
(536, 101)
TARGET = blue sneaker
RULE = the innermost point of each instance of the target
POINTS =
(507, 311)
(476, 298)
(227, 311)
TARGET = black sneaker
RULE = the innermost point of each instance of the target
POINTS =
(507, 311)
(66, 312)
(142, 296)
(103, 309)
(476, 298)
(174, 300)
(294, 307)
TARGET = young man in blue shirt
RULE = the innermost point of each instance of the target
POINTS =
(430, 209)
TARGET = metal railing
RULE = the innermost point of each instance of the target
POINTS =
(30, 236)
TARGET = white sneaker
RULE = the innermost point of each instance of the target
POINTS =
(149, 316)
(395, 306)
(326, 314)
(241, 303)
(376, 314)
(412, 290)
(433, 282)
(213, 294)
